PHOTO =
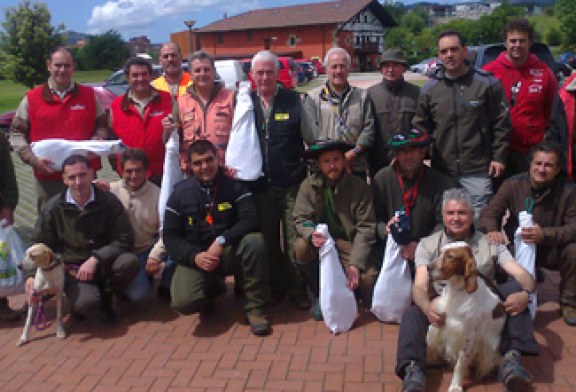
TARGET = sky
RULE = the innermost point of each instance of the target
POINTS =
(153, 18)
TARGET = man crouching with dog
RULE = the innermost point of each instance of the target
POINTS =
(91, 233)
(515, 289)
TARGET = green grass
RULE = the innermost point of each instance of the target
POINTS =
(11, 93)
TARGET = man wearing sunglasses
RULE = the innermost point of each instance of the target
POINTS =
(530, 87)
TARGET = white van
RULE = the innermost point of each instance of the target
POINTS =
(230, 73)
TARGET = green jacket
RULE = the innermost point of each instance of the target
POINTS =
(8, 184)
(353, 203)
(354, 110)
(102, 229)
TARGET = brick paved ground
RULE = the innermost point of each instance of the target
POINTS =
(154, 349)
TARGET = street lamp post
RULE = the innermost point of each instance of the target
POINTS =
(190, 24)
(268, 42)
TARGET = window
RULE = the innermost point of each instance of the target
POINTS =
(249, 35)
(220, 38)
(292, 40)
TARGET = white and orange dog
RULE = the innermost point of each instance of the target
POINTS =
(49, 280)
(475, 317)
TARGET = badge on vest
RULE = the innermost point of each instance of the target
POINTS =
(156, 113)
(78, 106)
(224, 206)
(281, 116)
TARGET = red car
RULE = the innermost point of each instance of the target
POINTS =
(104, 95)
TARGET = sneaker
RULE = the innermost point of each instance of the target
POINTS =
(7, 314)
(315, 310)
(300, 299)
(414, 378)
(259, 324)
(569, 315)
(513, 375)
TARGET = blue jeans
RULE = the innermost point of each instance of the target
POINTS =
(139, 287)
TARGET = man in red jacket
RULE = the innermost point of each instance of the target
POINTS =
(530, 87)
(59, 109)
(139, 116)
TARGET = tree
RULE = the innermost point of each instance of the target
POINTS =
(412, 22)
(26, 41)
(554, 37)
(566, 14)
(104, 51)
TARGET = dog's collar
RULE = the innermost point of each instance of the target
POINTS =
(55, 263)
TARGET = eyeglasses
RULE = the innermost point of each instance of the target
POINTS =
(515, 89)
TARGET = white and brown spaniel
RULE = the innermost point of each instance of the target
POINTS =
(470, 336)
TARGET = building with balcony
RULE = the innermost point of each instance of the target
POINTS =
(300, 31)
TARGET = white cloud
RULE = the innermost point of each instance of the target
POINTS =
(138, 15)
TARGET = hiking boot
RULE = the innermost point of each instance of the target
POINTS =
(513, 375)
(107, 313)
(7, 314)
(259, 324)
(300, 299)
(414, 378)
(315, 310)
(569, 315)
(208, 307)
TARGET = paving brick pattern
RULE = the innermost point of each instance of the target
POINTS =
(154, 349)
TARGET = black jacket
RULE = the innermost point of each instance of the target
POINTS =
(186, 231)
(281, 142)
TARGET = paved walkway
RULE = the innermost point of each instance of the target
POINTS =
(154, 349)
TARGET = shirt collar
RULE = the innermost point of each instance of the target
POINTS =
(70, 200)
(60, 94)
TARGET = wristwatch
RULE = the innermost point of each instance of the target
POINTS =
(530, 295)
(221, 240)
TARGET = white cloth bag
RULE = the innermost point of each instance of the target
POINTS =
(57, 150)
(525, 253)
(243, 152)
(172, 173)
(11, 256)
(393, 289)
(337, 301)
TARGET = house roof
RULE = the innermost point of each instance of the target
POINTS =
(300, 15)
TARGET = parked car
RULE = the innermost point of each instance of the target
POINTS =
(483, 54)
(317, 62)
(230, 73)
(309, 69)
(118, 84)
(103, 93)
(424, 67)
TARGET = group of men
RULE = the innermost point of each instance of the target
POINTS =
(263, 231)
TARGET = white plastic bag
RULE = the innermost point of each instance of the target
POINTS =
(393, 289)
(172, 173)
(337, 301)
(525, 253)
(57, 150)
(11, 256)
(243, 152)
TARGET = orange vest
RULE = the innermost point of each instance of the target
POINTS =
(185, 82)
(212, 123)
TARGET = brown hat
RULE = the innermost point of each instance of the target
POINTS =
(393, 55)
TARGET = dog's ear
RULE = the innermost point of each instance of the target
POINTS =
(470, 274)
